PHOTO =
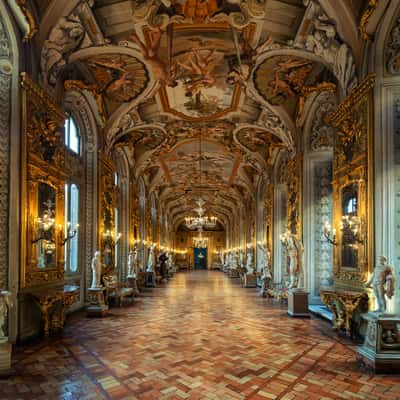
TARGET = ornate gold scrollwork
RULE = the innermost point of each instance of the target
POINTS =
(294, 189)
(43, 161)
(108, 202)
(371, 7)
(352, 183)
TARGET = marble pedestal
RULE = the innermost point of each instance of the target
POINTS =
(298, 303)
(97, 307)
(150, 279)
(5, 357)
(381, 349)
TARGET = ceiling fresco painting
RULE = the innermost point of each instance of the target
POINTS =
(119, 77)
(234, 77)
(279, 79)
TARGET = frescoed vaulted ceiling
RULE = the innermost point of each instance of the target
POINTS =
(205, 94)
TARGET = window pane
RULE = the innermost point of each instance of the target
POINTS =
(72, 139)
(74, 219)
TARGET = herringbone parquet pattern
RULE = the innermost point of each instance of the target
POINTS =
(201, 336)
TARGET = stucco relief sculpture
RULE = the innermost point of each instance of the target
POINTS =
(5, 305)
(133, 263)
(393, 49)
(96, 271)
(382, 282)
(323, 41)
(64, 38)
(294, 253)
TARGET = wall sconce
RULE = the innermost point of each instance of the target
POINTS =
(330, 234)
(45, 226)
(352, 225)
(71, 233)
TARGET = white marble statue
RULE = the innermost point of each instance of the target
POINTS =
(5, 305)
(150, 260)
(241, 258)
(96, 270)
(249, 262)
(382, 282)
(133, 263)
(266, 257)
(221, 257)
(234, 264)
(294, 253)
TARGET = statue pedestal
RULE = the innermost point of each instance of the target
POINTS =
(97, 307)
(381, 349)
(132, 283)
(5, 357)
(150, 279)
(298, 303)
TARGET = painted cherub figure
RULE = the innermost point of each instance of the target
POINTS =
(240, 73)
(150, 55)
(382, 282)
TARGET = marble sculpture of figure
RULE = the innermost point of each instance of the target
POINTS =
(266, 274)
(150, 261)
(249, 263)
(133, 263)
(96, 270)
(382, 282)
(294, 251)
(5, 305)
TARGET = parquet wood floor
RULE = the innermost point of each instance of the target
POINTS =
(201, 336)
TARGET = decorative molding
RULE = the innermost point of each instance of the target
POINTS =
(5, 115)
(322, 133)
(392, 49)
(371, 7)
(92, 89)
(346, 107)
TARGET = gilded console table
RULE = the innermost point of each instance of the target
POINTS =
(344, 304)
(53, 304)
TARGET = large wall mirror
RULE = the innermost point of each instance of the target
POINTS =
(45, 226)
(350, 226)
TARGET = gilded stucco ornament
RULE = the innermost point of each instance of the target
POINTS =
(371, 7)
(161, 13)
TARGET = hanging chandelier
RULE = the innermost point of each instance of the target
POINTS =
(201, 221)
(199, 241)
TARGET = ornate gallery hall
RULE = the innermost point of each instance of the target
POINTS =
(200, 199)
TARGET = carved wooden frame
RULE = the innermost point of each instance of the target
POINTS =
(41, 120)
(358, 170)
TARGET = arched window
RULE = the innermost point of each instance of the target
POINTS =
(72, 137)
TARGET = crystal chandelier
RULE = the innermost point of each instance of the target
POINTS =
(200, 221)
(199, 241)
